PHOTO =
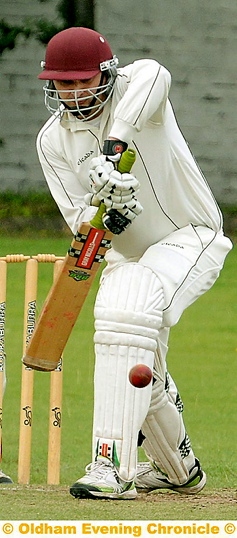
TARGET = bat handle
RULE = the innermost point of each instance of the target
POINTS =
(97, 221)
(125, 164)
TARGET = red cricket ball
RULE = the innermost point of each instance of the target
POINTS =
(140, 376)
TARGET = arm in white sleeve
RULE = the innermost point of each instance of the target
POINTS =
(144, 86)
(63, 184)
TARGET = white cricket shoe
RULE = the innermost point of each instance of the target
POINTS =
(149, 477)
(102, 481)
(4, 479)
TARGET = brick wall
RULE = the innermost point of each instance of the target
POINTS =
(22, 100)
(195, 40)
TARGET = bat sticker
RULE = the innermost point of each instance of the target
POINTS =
(90, 245)
(78, 275)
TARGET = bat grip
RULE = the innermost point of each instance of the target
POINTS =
(124, 165)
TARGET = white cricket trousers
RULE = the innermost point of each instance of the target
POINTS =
(187, 262)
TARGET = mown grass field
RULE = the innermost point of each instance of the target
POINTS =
(202, 360)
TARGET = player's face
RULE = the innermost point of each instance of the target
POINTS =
(78, 92)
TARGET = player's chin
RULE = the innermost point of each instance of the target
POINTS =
(82, 111)
(83, 108)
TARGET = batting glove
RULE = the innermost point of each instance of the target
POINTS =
(117, 191)
(109, 186)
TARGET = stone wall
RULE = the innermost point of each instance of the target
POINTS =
(195, 40)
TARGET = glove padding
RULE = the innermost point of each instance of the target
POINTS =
(115, 190)
(115, 222)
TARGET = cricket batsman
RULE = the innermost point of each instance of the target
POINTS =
(168, 248)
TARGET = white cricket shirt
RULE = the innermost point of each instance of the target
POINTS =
(173, 190)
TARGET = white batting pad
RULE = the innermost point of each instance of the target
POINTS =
(128, 315)
(166, 440)
(119, 408)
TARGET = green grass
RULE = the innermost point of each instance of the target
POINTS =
(202, 359)
(30, 204)
(48, 503)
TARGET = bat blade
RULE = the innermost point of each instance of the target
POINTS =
(66, 298)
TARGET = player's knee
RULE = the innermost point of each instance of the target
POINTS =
(129, 307)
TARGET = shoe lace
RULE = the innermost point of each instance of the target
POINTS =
(97, 469)
(144, 467)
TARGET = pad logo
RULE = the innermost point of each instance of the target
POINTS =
(105, 450)
(78, 275)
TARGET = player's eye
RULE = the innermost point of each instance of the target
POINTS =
(86, 80)
(67, 82)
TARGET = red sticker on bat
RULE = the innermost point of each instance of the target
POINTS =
(90, 248)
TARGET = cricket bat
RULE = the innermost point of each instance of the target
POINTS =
(69, 291)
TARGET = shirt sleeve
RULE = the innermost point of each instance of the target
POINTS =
(63, 184)
(144, 87)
